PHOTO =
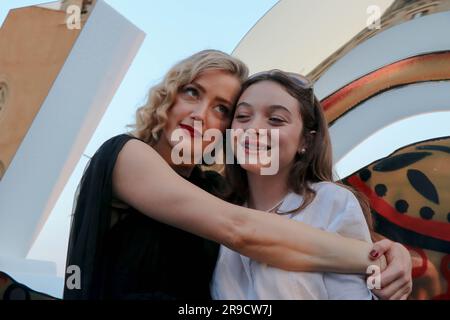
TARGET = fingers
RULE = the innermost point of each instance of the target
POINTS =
(395, 284)
(378, 293)
(393, 273)
(380, 248)
(401, 294)
(392, 290)
(396, 279)
(405, 297)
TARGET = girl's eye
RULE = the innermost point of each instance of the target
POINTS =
(223, 109)
(276, 120)
(242, 117)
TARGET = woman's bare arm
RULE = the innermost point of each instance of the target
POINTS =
(145, 181)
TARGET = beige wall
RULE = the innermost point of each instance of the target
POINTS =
(34, 44)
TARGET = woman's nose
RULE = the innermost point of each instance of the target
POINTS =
(199, 112)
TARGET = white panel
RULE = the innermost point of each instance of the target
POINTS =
(399, 134)
(385, 109)
(297, 35)
(64, 125)
(421, 35)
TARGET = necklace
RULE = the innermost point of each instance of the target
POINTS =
(277, 205)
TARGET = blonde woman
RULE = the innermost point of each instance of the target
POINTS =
(146, 228)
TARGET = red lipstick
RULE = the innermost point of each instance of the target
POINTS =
(190, 129)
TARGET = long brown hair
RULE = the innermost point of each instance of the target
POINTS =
(316, 164)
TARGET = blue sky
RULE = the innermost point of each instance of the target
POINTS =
(176, 29)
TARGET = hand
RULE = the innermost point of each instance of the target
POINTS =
(396, 279)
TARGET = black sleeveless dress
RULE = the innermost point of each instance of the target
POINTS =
(123, 254)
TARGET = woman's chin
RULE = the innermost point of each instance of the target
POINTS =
(252, 168)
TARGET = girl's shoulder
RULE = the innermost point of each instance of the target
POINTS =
(327, 185)
(333, 191)
(334, 208)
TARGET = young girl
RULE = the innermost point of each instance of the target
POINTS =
(141, 222)
(302, 190)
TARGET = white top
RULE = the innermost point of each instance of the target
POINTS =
(334, 209)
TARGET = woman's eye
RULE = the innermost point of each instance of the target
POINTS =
(192, 92)
(223, 109)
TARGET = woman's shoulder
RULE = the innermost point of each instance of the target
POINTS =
(117, 141)
(109, 150)
(102, 163)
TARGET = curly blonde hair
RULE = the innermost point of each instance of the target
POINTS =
(152, 117)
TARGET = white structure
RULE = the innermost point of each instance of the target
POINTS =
(298, 35)
(57, 138)
(336, 45)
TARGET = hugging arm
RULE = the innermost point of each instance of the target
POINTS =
(145, 181)
(396, 279)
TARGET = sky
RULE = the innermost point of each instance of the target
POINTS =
(176, 29)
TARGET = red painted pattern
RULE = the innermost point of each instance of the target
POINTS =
(435, 229)
(445, 269)
(420, 270)
(387, 73)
